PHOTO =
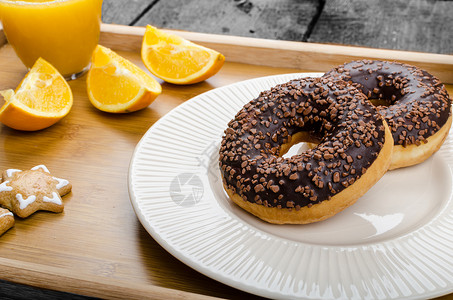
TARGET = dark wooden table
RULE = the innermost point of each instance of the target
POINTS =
(416, 25)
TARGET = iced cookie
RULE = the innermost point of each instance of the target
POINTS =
(6, 220)
(25, 192)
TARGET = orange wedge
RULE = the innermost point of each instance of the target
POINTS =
(116, 85)
(177, 60)
(42, 98)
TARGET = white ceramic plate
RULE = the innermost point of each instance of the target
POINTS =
(395, 242)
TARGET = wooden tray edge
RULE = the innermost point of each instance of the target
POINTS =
(94, 286)
(285, 54)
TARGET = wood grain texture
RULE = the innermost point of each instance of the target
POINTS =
(9, 290)
(286, 20)
(416, 25)
(122, 12)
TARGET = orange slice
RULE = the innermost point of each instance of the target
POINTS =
(116, 85)
(177, 60)
(42, 98)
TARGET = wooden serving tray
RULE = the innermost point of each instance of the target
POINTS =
(97, 247)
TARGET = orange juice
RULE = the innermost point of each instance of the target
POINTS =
(63, 32)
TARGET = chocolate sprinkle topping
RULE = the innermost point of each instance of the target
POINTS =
(417, 103)
(333, 112)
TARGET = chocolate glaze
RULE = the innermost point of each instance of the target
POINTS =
(418, 103)
(349, 128)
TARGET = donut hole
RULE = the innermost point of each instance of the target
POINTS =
(380, 102)
(298, 144)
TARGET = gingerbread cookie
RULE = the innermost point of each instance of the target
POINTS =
(25, 192)
(6, 220)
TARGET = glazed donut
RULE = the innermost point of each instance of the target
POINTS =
(416, 105)
(353, 151)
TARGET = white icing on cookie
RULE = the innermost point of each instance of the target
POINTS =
(10, 172)
(61, 182)
(55, 198)
(25, 202)
(5, 188)
(6, 214)
(42, 167)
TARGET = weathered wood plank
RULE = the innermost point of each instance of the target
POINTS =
(416, 25)
(122, 12)
(285, 19)
(9, 290)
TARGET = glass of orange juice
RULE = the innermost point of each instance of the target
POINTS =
(63, 32)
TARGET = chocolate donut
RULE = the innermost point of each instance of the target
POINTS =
(414, 103)
(353, 151)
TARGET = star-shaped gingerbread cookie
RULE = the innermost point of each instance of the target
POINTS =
(25, 192)
(6, 220)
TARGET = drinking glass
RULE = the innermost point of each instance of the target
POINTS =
(63, 32)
